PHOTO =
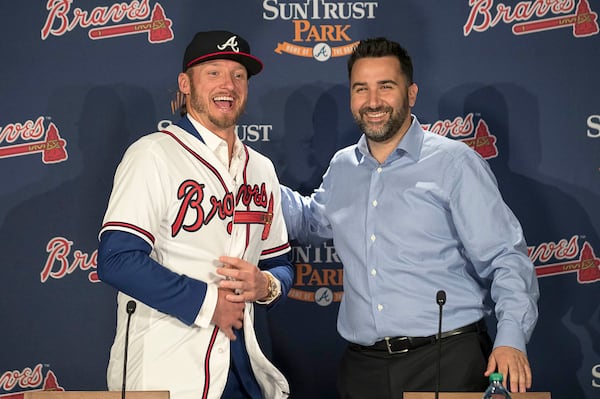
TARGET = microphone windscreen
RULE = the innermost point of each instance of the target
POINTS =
(131, 306)
(440, 297)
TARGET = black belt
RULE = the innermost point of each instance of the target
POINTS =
(397, 345)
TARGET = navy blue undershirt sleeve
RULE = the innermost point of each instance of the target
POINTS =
(124, 262)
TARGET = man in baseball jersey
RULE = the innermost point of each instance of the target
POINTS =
(194, 234)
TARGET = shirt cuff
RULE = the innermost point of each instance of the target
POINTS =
(205, 315)
(510, 335)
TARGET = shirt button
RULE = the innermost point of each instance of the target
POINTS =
(380, 307)
(375, 203)
(220, 350)
(372, 237)
(379, 170)
(373, 272)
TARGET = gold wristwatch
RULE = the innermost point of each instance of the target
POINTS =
(273, 289)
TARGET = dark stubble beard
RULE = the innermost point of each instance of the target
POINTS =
(389, 128)
(198, 105)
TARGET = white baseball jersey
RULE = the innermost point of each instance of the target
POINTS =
(172, 191)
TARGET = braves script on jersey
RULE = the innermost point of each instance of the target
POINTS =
(172, 191)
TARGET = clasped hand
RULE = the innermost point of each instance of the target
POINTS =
(243, 282)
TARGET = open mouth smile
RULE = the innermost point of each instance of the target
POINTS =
(223, 102)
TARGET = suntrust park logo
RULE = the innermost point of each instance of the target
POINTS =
(251, 133)
(107, 21)
(30, 137)
(593, 127)
(471, 130)
(533, 16)
(593, 124)
(321, 28)
(320, 284)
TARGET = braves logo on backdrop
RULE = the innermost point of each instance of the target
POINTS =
(107, 21)
(566, 257)
(475, 135)
(14, 383)
(29, 137)
(533, 16)
(64, 260)
(320, 27)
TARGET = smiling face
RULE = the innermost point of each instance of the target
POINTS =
(380, 100)
(216, 94)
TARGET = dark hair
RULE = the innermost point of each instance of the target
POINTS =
(382, 47)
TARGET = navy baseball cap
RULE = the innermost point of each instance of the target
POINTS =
(220, 44)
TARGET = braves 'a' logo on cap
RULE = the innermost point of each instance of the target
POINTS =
(231, 42)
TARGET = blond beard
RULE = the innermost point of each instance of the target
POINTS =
(198, 105)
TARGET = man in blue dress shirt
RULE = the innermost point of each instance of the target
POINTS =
(412, 213)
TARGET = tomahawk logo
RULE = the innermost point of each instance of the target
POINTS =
(563, 14)
(62, 19)
(32, 137)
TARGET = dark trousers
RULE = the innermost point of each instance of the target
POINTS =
(368, 374)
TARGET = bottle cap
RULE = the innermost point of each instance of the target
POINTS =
(496, 377)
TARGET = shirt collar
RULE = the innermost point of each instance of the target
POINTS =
(410, 144)
(216, 144)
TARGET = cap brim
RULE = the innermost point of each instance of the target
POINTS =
(253, 65)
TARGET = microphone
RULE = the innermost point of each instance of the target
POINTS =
(130, 310)
(440, 298)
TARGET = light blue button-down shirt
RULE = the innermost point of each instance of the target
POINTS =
(429, 218)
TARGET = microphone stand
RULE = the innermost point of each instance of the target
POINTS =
(130, 309)
(441, 300)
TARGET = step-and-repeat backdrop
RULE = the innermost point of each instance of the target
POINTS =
(81, 80)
